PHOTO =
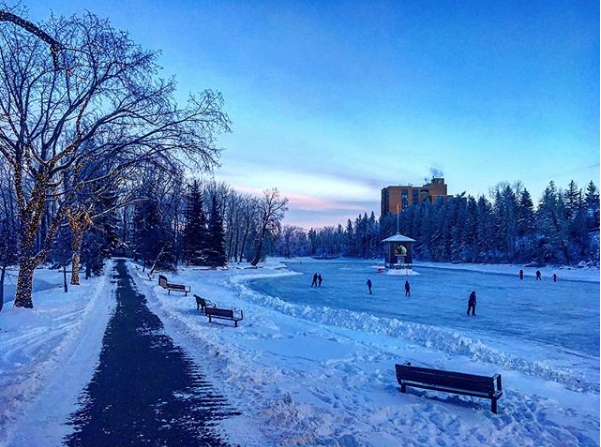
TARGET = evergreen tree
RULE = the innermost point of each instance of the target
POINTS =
(102, 238)
(195, 237)
(216, 243)
(552, 224)
(592, 206)
(152, 238)
(525, 225)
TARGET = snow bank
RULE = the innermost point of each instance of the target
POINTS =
(401, 272)
(47, 356)
(564, 273)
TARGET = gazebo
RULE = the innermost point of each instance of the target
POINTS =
(398, 252)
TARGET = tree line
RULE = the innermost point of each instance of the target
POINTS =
(563, 228)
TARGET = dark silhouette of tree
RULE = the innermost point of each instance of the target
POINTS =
(216, 242)
(195, 235)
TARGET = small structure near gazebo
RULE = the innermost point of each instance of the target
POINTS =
(398, 252)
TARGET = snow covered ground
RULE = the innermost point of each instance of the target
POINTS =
(47, 356)
(316, 366)
(44, 279)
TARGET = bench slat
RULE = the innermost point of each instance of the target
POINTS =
(411, 368)
(217, 312)
(483, 384)
(450, 382)
(452, 390)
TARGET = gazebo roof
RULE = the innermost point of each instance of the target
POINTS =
(398, 238)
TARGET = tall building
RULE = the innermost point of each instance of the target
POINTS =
(400, 197)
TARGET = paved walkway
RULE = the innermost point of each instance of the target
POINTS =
(145, 391)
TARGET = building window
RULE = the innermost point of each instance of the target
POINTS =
(415, 196)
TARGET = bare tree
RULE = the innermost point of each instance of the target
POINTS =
(271, 212)
(105, 103)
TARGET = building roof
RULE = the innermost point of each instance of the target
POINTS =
(398, 238)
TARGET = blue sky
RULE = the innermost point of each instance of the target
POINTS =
(331, 101)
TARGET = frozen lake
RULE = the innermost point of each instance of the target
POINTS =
(557, 322)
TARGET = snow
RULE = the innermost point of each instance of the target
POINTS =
(312, 366)
(44, 279)
(398, 238)
(568, 273)
(48, 355)
(402, 272)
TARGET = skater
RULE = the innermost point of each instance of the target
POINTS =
(538, 276)
(314, 283)
(319, 280)
(369, 285)
(471, 304)
(407, 288)
(521, 274)
(554, 277)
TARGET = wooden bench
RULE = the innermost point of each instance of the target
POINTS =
(224, 314)
(172, 287)
(450, 382)
(202, 304)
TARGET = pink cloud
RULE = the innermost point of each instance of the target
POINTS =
(305, 202)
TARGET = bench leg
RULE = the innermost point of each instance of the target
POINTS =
(493, 405)
(168, 292)
(209, 319)
(403, 388)
(235, 323)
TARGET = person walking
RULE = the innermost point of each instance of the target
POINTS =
(369, 285)
(538, 276)
(319, 280)
(314, 283)
(407, 288)
(521, 274)
(471, 303)
(554, 277)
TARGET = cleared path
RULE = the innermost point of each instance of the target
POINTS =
(145, 391)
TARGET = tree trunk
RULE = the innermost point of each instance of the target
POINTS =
(235, 252)
(2, 276)
(76, 247)
(65, 286)
(244, 244)
(257, 256)
(23, 296)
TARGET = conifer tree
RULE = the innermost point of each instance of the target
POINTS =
(195, 236)
(592, 205)
(151, 237)
(216, 243)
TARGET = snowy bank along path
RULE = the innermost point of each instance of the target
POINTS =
(314, 375)
(47, 355)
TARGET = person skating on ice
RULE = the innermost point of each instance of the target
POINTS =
(471, 304)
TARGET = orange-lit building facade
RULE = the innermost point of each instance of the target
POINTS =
(400, 197)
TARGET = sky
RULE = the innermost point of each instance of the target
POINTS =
(333, 100)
